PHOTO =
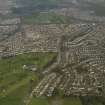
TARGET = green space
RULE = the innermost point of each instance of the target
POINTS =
(43, 18)
(56, 101)
(72, 101)
(15, 82)
(47, 3)
(39, 101)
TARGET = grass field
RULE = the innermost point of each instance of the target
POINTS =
(16, 84)
(41, 18)
(14, 81)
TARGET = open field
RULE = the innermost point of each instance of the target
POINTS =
(14, 81)
(41, 18)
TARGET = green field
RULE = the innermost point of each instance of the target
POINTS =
(43, 18)
(16, 83)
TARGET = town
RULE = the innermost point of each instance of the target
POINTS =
(52, 52)
(82, 49)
